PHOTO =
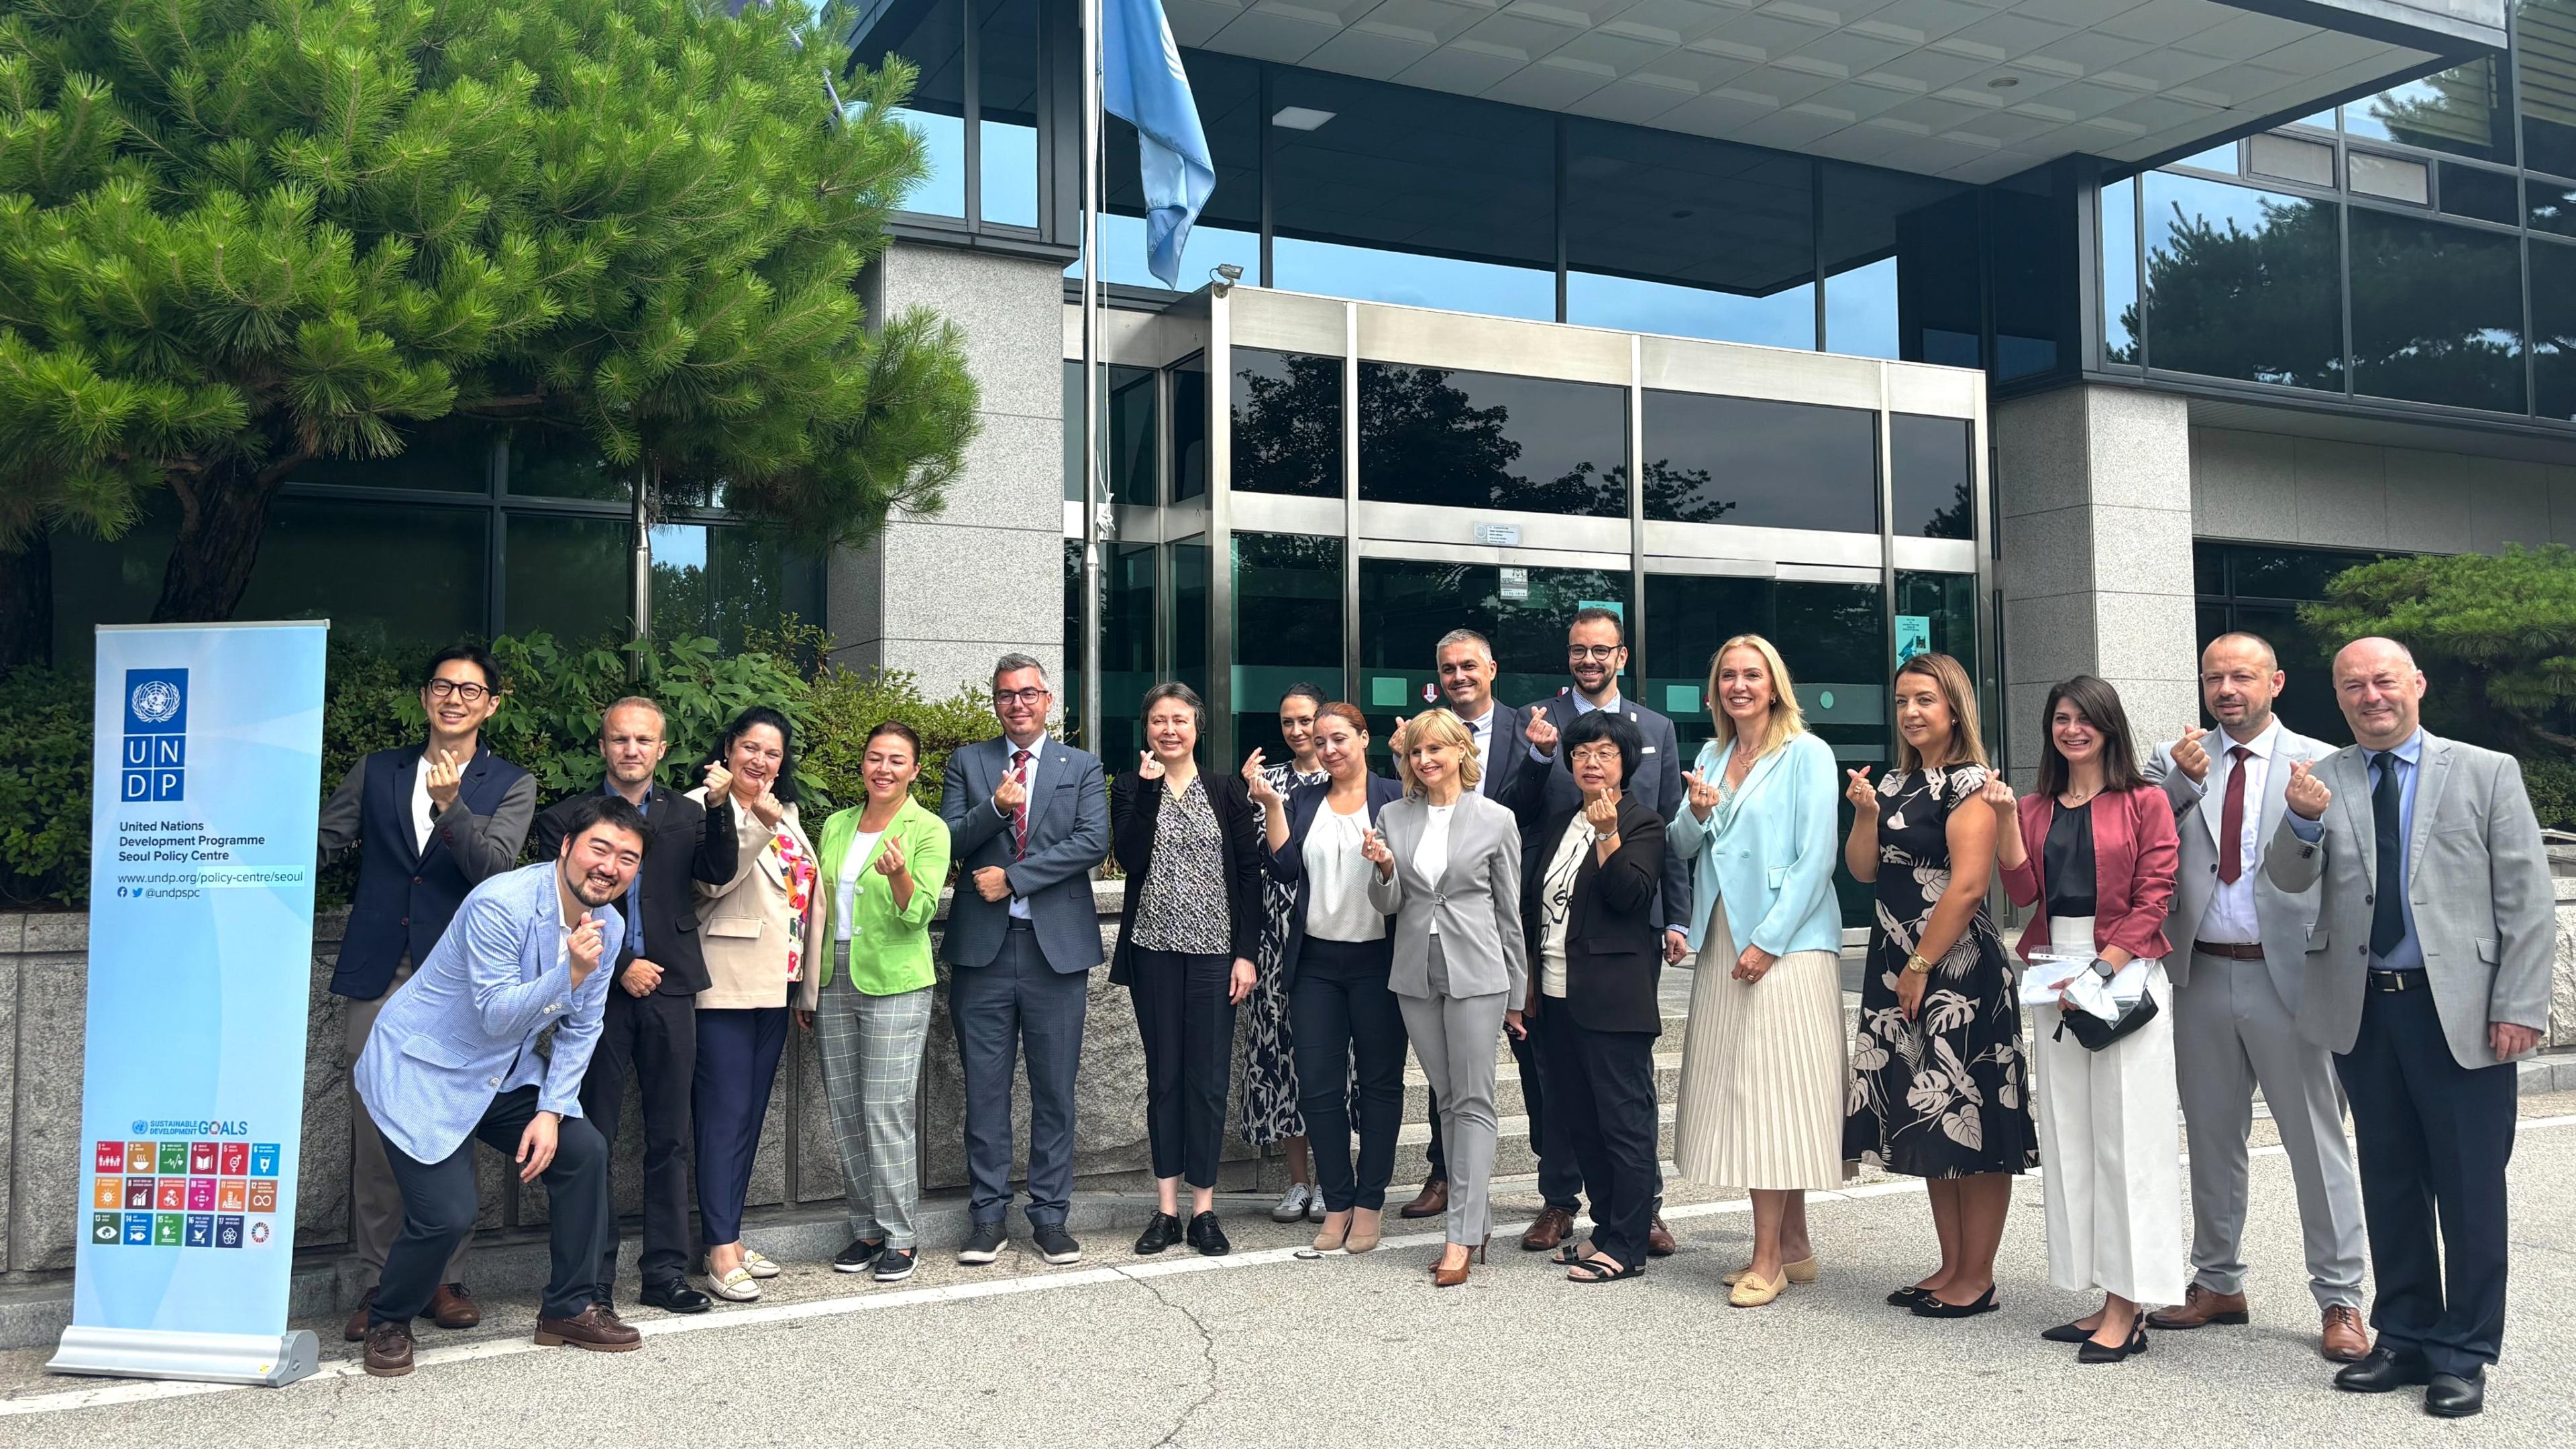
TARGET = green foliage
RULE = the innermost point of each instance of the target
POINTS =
(549, 724)
(44, 788)
(846, 705)
(2496, 632)
(2550, 780)
(239, 235)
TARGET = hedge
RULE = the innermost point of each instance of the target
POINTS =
(548, 724)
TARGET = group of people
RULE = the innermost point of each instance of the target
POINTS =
(2236, 909)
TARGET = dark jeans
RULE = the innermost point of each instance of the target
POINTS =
(2432, 1136)
(651, 1041)
(1560, 1179)
(440, 1204)
(1183, 1013)
(738, 1051)
(1602, 1100)
(1340, 1013)
(995, 1008)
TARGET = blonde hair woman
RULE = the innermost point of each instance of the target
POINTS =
(1762, 1059)
(1447, 866)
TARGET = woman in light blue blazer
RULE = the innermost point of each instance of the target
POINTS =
(1762, 1060)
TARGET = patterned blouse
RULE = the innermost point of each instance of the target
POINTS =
(1184, 906)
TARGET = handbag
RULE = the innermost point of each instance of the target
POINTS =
(2092, 1032)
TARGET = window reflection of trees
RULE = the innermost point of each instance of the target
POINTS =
(2258, 302)
(2459, 111)
(1425, 439)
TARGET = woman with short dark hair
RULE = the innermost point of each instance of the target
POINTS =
(1190, 845)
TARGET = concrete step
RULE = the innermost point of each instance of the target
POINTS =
(1508, 1097)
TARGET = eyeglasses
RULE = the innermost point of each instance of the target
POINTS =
(1597, 755)
(464, 689)
(1603, 652)
(1033, 695)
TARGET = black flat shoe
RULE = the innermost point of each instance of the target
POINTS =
(1906, 1297)
(1207, 1237)
(2385, 1371)
(1161, 1231)
(2450, 1396)
(675, 1298)
(2066, 1333)
(1931, 1306)
(2093, 1352)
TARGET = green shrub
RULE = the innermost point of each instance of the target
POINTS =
(846, 705)
(2550, 780)
(44, 788)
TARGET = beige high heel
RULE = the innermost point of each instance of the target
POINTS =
(1329, 1237)
(1367, 1224)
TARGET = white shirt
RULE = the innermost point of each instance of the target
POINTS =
(1029, 780)
(420, 818)
(1556, 904)
(2230, 919)
(1431, 857)
(1337, 907)
(862, 845)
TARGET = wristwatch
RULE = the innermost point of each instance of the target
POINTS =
(2104, 969)
(1917, 965)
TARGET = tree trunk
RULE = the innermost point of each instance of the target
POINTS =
(27, 603)
(221, 518)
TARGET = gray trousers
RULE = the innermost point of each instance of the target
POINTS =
(1454, 1037)
(2232, 1033)
(1019, 1005)
(871, 1048)
(375, 1200)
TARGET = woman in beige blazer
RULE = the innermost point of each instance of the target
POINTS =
(753, 930)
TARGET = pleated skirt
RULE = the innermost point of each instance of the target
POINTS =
(1762, 1071)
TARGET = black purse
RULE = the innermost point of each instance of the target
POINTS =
(2092, 1032)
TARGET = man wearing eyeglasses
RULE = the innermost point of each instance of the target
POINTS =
(430, 822)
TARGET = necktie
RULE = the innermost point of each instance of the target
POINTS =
(2387, 920)
(1020, 816)
(2231, 821)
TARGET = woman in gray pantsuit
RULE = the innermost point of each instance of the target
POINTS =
(1448, 868)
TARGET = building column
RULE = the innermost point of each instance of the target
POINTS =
(2094, 508)
(943, 596)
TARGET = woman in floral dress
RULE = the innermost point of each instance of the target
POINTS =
(1940, 1087)
(1269, 1065)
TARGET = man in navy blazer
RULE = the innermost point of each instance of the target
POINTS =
(489, 1040)
(433, 821)
(1028, 820)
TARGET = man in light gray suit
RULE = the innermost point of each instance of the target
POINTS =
(2236, 990)
(2428, 974)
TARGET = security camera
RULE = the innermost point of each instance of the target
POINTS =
(1222, 279)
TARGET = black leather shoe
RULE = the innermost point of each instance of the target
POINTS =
(1932, 1306)
(2450, 1396)
(1161, 1231)
(2385, 1371)
(675, 1297)
(2092, 1351)
(2066, 1333)
(1207, 1237)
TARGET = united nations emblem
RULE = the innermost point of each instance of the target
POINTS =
(156, 701)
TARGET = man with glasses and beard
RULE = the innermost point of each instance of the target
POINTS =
(490, 1039)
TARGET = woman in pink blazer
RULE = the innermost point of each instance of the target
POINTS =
(2094, 850)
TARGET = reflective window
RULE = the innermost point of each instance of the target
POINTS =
(1492, 440)
(1860, 310)
(2030, 239)
(1928, 477)
(564, 463)
(1007, 99)
(2460, 111)
(1287, 411)
(2258, 588)
(1899, 257)
(2396, 178)
(1123, 254)
(2287, 158)
(1189, 661)
(1368, 165)
(2545, 56)
(2552, 205)
(2553, 329)
(1228, 93)
(725, 582)
(937, 111)
(1411, 279)
(1937, 613)
(567, 577)
(1734, 227)
(1405, 606)
(1760, 464)
(1287, 629)
(447, 456)
(2120, 271)
(1783, 319)
(1189, 429)
(2242, 283)
(2478, 192)
(387, 577)
(2436, 312)
(1126, 647)
(1131, 436)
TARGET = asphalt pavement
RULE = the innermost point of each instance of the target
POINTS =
(1268, 1348)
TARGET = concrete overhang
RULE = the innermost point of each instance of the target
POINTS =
(1971, 90)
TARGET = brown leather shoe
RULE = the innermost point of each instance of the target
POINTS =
(1554, 1226)
(1431, 1202)
(598, 1329)
(452, 1307)
(389, 1350)
(2345, 1341)
(2199, 1308)
(355, 1330)
(1659, 1240)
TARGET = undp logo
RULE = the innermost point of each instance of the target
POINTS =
(155, 762)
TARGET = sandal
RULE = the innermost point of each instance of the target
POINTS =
(1601, 1270)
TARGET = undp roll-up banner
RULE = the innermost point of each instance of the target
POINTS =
(208, 781)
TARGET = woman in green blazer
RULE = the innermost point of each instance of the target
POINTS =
(868, 1003)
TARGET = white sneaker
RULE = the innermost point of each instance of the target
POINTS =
(1293, 1203)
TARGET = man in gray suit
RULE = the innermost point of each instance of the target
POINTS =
(2236, 993)
(2428, 974)
(1028, 819)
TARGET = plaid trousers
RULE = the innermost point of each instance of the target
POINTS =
(872, 1049)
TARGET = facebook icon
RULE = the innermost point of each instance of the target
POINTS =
(155, 762)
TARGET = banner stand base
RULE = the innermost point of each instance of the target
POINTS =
(268, 1360)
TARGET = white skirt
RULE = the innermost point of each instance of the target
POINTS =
(1762, 1071)
(2110, 1147)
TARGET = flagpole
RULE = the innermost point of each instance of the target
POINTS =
(1091, 362)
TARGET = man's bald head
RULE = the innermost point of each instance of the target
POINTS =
(2240, 676)
(2380, 690)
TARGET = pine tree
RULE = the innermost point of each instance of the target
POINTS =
(238, 236)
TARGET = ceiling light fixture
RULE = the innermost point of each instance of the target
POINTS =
(1301, 118)
(2003, 82)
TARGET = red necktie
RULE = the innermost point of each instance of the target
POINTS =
(1020, 817)
(2231, 820)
